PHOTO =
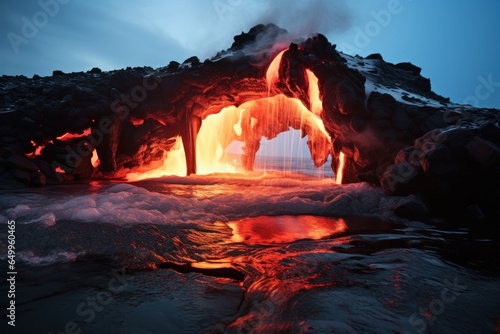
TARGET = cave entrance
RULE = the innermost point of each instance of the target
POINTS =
(244, 127)
(250, 124)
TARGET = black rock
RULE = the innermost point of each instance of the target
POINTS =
(375, 56)
(413, 208)
(194, 61)
(270, 32)
(490, 132)
(415, 70)
(485, 153)
(38, 179)
(173, 66)
(21, 163)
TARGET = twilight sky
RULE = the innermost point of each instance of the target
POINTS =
(456, 42)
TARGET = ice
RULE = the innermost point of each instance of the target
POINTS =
(201, 199)
(17, 211)
(30, 258)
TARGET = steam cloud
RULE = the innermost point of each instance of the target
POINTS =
(303, 18)
(216, 22)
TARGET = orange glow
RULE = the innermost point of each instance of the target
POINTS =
(60, 170)
(272, 74)
(217, 132)
(68, 135)
(136, 121)
(210, 265)
(340, 170)
(248, 124)
(38, 150)
(95, 159)
(174, 163)
(316, 103)
(284, 229)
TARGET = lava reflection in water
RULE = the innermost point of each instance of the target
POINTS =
(284, 229)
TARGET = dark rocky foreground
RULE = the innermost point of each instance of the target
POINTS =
(448, 155)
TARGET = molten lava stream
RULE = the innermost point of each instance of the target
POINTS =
(95, 159)
(340, 170)
(216, 134)
(316, 103)
(272, 73)
(68, 135)
(250, 123)
(174, 163)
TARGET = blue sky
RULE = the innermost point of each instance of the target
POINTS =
(456, 42)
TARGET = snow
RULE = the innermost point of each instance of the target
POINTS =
(366, 66)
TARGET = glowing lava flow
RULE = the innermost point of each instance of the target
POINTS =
(95, 159)
(316, 103)
(340, 170)
(248, 124)
(174, 163)
(272, 74)
(68, 135)
(216, 133)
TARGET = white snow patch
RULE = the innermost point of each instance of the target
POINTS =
(366, 65)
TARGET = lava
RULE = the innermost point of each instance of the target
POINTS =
(60, 170)
(174, 163)
(247, 124)
(217, 132)
(95, 159)
(136, 121)
(272, 74)
(69, 135)
(37, 152)
(316, 103)
(340, 170)
(284, 229)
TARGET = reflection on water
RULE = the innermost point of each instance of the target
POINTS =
(262, 274)
(284, 229)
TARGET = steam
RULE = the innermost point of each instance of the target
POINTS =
(304, 18)
(213, 24)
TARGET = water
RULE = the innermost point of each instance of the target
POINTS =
(264, 252)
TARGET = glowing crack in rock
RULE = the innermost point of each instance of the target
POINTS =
(136, 121)
(69, 135)
(37, 152)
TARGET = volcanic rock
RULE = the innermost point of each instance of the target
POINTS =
(413, 208)
(384, 118)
